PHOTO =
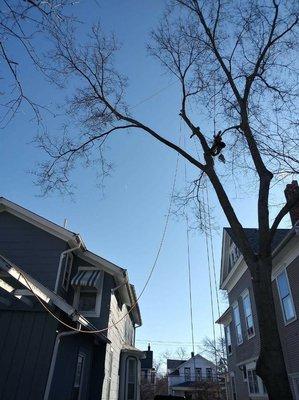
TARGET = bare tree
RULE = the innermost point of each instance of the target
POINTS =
(22, 22)
(235, 59)
(215, 351)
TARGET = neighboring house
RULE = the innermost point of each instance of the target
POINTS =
(240, 319)
(50, 283)
(148, 372)
(190, 377)
(148, 375)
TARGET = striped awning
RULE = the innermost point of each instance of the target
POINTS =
(90, 278)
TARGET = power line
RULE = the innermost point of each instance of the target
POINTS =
(146, 282)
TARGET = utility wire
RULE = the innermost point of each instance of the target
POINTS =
(146, 282)
(188, 256)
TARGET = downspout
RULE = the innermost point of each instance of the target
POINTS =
(53, 361)
(60, 264)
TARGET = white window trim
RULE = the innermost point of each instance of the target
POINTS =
(136, 377)
(236, 305)
(243, 295)
(284, 270)
(252, 366)
(97, 311)
(227, 326)
(66, 288)
(232, 375)
(83, 355)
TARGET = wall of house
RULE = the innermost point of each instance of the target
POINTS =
(26, 345)
(92, 380)
(193, 363)
(31, 248)
(122, 333)
(289, 334)
(249, 349)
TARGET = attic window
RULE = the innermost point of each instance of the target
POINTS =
(234, 255)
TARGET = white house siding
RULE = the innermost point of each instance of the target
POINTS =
(122, 333)
(196, 362)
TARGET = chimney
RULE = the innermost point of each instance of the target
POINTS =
(149, 347)
(192, 354)
(292, 190)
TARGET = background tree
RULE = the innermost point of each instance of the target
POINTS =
(234, 59)
(23, 25)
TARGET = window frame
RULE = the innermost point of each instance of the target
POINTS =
(234, 307)
(131, 358)
(233, 386)
(99, 293)
(260, 384)
(251, 373)
(229, 346)
(245, 294)
(80, 385)
(286, 322)
(198, 374)
(66, 257)
(189, 374)
(209, 376)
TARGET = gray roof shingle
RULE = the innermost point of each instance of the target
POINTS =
(253, 237)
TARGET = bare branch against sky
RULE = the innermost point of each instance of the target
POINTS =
(236, 59)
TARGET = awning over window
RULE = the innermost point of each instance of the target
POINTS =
(90, 278)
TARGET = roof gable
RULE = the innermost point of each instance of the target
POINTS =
(253, 238)
(74, 240)
(197, 357)
(54, 229)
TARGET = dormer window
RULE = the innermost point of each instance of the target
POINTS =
(67, 262)
(234, 255)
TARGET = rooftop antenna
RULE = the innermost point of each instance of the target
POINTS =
(65, 223)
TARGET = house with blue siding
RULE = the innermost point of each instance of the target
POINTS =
(67, 316)
(240, 320)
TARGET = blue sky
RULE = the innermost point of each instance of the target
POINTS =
(125, 224)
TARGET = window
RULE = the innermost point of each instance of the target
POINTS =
(187, 374)
(209, 373)
(198, 374)
(238, 324)
(67, 262)
(153, 378)
(87, 300)
(88, 284)
(244, 372)
(253, 385)
(248, 315)
(131, 384)
(234, 254)
(79, 371)
(228, 339)
(233, 387)
(285, 296)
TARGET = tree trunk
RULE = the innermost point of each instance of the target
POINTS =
(271, 364)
